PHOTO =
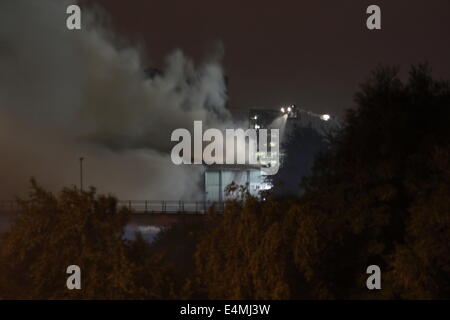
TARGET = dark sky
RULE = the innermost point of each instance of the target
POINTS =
(310, 53)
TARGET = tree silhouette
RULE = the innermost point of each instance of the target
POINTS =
(76, 228)
(377, 195)
(302, 146)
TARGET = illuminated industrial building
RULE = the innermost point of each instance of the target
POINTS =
(217, 177)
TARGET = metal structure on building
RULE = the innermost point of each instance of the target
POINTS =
(218, 177)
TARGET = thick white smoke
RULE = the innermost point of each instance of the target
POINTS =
(66, 94)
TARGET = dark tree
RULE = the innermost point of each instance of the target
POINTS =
(377, 195)
(81, 228)
(299, 152)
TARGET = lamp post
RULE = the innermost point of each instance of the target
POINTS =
(81, 173)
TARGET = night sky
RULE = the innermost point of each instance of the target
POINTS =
(310, 53)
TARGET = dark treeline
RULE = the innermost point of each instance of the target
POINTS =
(378, 194)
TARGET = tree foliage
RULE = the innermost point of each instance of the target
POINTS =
(75, 227)
(302, 146)
(378, 195)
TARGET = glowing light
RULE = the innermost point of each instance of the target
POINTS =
(325, 117)
(255, 118)
(265, 186)
(282, 110)
(257, 126)
(289, 109)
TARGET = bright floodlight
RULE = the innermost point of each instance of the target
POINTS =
(255, 117)
(289, 109)
(257, 126)
(282, 110)
(325, 117)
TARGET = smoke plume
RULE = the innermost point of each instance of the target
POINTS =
(66, 94)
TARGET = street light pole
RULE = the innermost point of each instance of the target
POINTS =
(81, 173)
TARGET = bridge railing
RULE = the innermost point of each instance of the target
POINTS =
(170, 207)
(146, 206)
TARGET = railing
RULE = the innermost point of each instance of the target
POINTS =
(147, 206)
(170, 207)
